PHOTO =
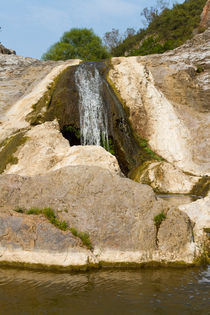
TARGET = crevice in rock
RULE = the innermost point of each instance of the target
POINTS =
(158, 219)
(72, 134)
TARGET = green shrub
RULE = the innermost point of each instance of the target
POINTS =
(167, 30)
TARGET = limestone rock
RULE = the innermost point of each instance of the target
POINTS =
(168, 97)
(6, 51)
(33, 240)
(199, 213)
(175, 236)
(46, 150)
(116, 212)
(23, 82)
(205, 16)
(163, 177)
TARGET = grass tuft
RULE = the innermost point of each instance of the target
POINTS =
(61, 225)
(158, 219)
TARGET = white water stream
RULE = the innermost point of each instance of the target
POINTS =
(93, 114)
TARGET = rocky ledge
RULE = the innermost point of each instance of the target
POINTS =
(123, 221)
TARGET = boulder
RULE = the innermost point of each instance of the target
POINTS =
(117, 213)
(199, 213)
(163, 177)
(33, 240)
(46, 150)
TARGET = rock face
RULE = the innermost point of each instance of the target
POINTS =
(6, 51)
(168, 97)
(33, 240)
(24, 81)
(205, 16)
(46, 150)
(117, 213)
(199, 213)
(164, 178)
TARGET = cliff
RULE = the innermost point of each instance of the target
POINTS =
(166, 100)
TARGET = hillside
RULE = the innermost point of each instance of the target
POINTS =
(166, 31)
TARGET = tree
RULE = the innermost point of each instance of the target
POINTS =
(151, 13)
(112, 39)
(77, 43)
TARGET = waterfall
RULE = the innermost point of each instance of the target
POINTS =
(93, 114)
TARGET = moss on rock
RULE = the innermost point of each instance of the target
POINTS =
(9, 147)
(202, 187)
(60, 101)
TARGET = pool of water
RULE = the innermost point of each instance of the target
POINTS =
(178, 199)
(143, 291)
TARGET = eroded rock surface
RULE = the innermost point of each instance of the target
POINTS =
(23, 82)
(33, 240)
(46, 150)
(163, 177)
(199, 213)
(117, 213)
(205, 16)
(168, 97)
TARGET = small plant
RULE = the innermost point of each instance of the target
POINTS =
(199, 69)
(158, 219)
(61, 225)
(20, 210)
(35, 211)
(85, 238)
(73, 231)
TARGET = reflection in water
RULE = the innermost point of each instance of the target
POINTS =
(151, 291)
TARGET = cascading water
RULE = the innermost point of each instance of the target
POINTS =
(93, 113)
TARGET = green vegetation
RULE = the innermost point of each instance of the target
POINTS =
(202, 187)
(77, 44)
(108, 146)
(61, 225)
(147, 153)
(19, 210)
(158, 219)
(83, 236)
(199, 69)
(167, 29)
(9, 147)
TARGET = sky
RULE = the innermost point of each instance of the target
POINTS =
(30, 27)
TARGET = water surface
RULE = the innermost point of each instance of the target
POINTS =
(143, 291)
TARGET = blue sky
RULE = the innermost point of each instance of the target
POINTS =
(31, 26)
